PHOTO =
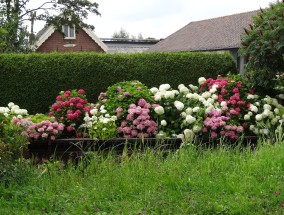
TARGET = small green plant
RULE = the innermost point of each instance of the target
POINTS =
(100, 124)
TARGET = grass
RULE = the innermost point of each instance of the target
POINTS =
(189, 181)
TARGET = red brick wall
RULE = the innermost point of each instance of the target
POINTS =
(56, 42)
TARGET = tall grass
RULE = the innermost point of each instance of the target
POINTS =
(189, 181)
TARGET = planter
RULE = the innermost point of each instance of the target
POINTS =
(65, 149)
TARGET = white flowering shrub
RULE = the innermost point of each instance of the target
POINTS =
(266, 116)
(100, 124)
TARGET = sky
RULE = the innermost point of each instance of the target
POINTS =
(159, 18)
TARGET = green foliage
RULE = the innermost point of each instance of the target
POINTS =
(263, 43)
(34, 80)
(189, 181)
(125, 93)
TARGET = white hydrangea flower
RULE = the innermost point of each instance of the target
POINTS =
(176, 92)
(188, 133)
(164, 87)
(190, 119)
(159, 110)
(258, 117)
(250, 113)
(196, 109)
(94, 111)
(15, 107)
(214, 88)
(179, 105)
(157, 97)
(250, 96)
(169, 94)
(184, 90)
(181, 136)
(189, 110)
(196, 129)
(253, 108)
(214, 96)
(163, 122)
(223, 104)
(183, 114)
(266, 113)
(251, 127)
(154, 90)
(266, 107)
(246, 117)
(201, 80)
(11, 104)
(206, 95)
(180, 86)
(193, 88)
(210, 100)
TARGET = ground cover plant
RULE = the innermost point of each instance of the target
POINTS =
(189, 181)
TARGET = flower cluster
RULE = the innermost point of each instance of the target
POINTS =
(13, 110)
(217, 126)
(36, 129)
(70, 108)
(138, 122)
(100, 124)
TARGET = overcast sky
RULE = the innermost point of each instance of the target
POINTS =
(159, 18)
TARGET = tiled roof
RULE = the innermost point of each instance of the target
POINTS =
(211, 34)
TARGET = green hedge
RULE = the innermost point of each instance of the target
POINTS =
(34, 80)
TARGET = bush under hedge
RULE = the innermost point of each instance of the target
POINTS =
(34, 80)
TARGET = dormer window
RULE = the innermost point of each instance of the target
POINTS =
(69, 32)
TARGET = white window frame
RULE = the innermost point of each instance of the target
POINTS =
(69, 30)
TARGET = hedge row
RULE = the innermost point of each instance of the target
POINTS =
(34, 80)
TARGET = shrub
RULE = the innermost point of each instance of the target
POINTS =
(123, 94)
(33, 80)
(70, 108)
(263, 43)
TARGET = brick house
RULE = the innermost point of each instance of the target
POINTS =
(50, 40)
(218, 34)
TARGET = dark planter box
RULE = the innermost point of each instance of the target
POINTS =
(74, 147)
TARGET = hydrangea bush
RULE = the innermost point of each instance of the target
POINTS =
(70, 109)
(119, 96)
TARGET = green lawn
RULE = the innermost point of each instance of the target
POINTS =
(190, 181)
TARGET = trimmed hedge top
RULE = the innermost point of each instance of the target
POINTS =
(34, 80)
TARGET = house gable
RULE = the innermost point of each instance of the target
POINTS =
(51, 40)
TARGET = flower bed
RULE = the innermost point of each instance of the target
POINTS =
(224, 109)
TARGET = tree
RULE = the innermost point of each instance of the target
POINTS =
(263, 43)
(121, 34)
(14, 13)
